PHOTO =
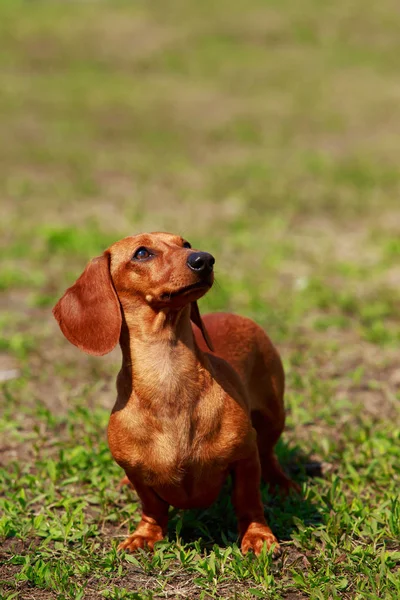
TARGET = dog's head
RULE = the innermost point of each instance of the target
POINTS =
(159, 270)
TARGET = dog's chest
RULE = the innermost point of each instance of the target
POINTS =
(168, 447)
(168, 450)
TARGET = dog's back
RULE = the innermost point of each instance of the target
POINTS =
(247, 348)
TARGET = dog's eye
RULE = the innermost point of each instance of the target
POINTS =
(187, 245)
(142, 253)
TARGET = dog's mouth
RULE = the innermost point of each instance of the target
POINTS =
(205, 285)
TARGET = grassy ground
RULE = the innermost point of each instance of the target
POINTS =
(269, 134)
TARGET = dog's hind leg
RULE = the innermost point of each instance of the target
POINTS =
(272, 473)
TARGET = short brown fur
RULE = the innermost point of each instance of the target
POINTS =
(195, 402)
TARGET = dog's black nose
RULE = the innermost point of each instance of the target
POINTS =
(201, 262)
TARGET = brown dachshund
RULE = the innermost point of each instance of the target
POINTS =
(195, 403)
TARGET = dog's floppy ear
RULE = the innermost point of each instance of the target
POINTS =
(197, 320)
(89, 314)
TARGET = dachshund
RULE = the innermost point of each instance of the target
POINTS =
(198, 399)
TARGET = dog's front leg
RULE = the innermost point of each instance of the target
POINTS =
(153, 524)
(246, 497)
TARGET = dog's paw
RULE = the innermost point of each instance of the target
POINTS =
(136, 541)
(125, 481)
(256, 536)
(276, 478)
(288, 486)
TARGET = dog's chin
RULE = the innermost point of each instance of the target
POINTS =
(183, 296)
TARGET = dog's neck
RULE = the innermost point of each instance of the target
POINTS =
(162, 364)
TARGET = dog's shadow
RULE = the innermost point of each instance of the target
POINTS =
(218, 525)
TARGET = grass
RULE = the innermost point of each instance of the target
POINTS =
(267, 133)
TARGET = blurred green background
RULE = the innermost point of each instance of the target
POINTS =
(267, 133)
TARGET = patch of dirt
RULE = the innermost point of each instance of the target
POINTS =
(9, 571)
(177, 585)
(375, 389)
